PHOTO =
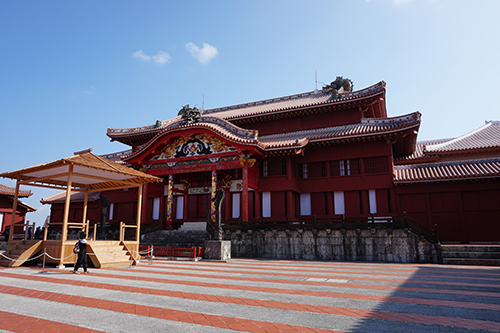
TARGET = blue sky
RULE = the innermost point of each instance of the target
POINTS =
(71, 69)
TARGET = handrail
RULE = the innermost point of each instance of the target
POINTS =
(122, 230)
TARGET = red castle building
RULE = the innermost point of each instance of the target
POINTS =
(7, 194)
(326, 154)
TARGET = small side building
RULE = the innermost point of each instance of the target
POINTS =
(7, 194)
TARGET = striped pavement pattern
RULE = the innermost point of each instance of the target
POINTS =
(251, 295)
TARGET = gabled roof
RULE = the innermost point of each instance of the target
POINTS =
(447, 171)
(485, 137)
(258, 109)
(9, 190)
(225, 129)
(90, 173)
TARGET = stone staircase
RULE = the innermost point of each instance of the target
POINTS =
(108, 254)
(485, 255)
(20, 252)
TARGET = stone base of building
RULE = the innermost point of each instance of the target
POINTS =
(218, 250)
(381, 245)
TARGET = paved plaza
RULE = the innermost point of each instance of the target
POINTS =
(246, 295)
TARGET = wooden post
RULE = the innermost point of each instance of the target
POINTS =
(26, 225)
(87, 225)
(13, 217)
(138, 217)
(85, 205)
(46, 229)
(64, 232)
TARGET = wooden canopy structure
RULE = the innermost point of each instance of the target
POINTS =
(83, 172)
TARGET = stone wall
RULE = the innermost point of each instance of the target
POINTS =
(176, 238)
(348, 245)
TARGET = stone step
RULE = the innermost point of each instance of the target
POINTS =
(471, 248)
(469, 261)
(472, 255)
(486, 255)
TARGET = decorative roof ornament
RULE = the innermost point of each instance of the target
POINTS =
(189, 115)
(339, 86)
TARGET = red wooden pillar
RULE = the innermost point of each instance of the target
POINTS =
(170, 198)
(290, 207)
(258, 211)
(227, 203)
(162, 205)
(185, 207)
(212, 194)
(244, 201)
(144, 209)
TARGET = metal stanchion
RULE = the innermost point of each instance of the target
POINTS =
(151, 255)
(43, 265)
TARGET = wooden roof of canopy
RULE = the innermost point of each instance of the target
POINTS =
(89, 173)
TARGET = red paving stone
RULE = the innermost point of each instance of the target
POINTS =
(181, 316)
(234, 323)
(259, 326)
(343, 270)
(19, 323)
(204, 297)
(371, 278)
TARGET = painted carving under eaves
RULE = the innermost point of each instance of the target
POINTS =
(195, 145)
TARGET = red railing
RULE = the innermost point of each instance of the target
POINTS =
(170, 251)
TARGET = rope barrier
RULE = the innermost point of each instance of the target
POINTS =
(12, 259)
(149, 251)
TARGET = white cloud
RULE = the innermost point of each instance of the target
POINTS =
(160, 58)
(203, 55)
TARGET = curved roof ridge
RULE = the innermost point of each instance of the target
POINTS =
(484, 137)
(243, 133)
(258, 107)
(220, 126)
(407, 117)
(342, 131)
(293, 102)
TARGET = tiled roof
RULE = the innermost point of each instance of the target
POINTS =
(224, 128)
(447, 171)
(8, 190)
(292, 102)
(269, 106)
(75, 197)
(485, 137)
(117, 157)
(419, 154)
(91, 172)
(367, 127)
